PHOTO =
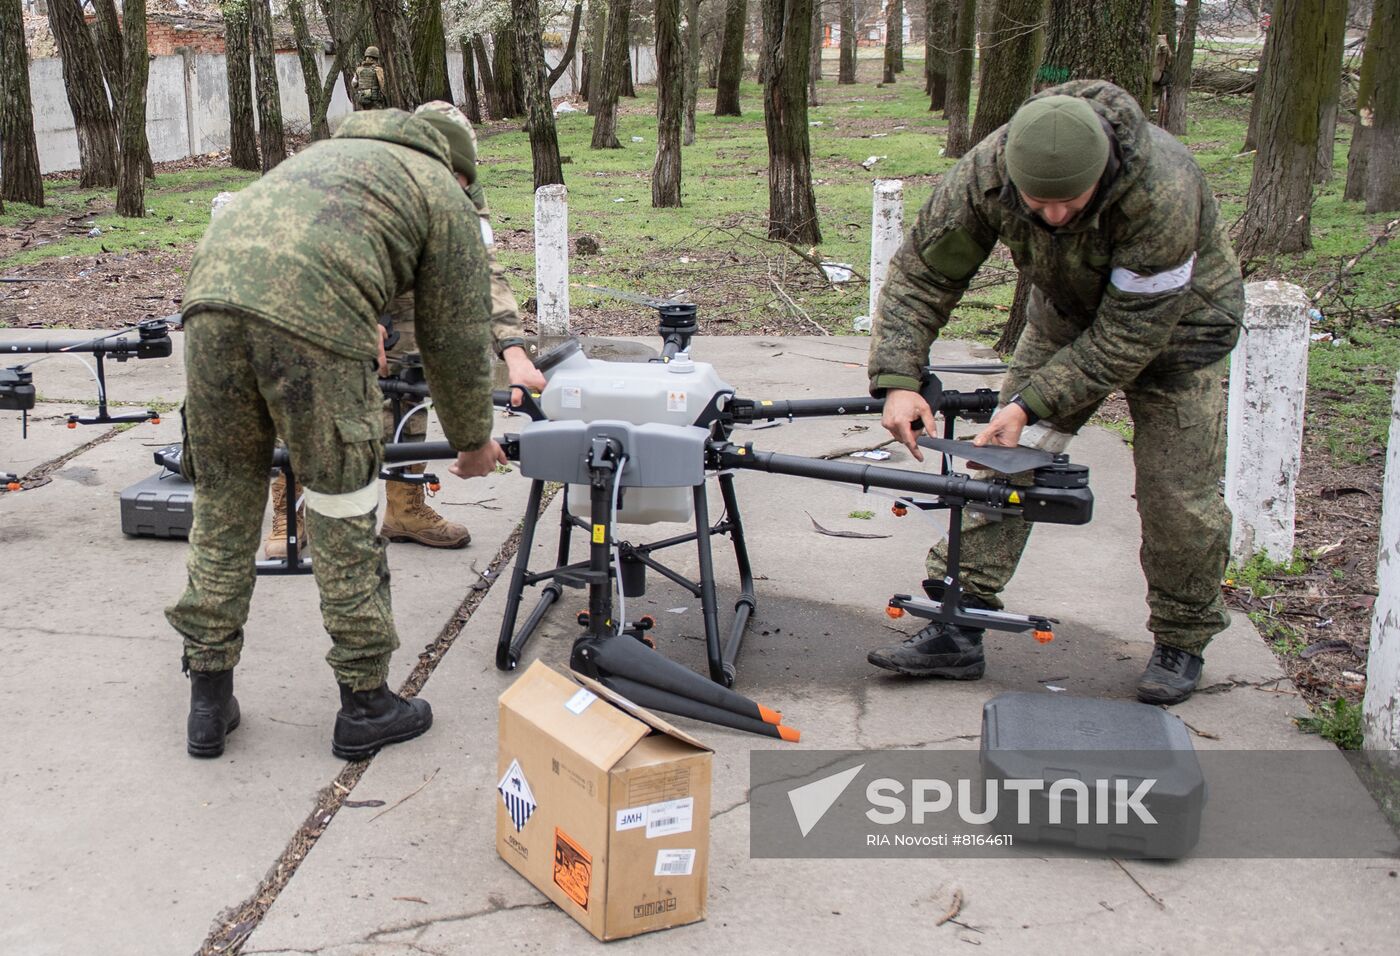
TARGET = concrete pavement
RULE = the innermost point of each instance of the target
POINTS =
(117, 842)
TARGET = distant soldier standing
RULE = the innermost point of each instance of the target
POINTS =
(368, 82)
(1134, 286)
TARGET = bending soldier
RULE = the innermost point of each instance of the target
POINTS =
(1134, 286)
(407, 515)
(281, 319)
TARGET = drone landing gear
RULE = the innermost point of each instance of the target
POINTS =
(619, 654)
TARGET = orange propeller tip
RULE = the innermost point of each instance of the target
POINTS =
(790, 734)
(769, 715)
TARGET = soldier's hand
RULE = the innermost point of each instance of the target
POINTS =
(1004, 429)
(521, 371)
(383, 358)
(905, 412)
(482, 461)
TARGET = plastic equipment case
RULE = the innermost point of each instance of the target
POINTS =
(161, 506)
(1089, 741)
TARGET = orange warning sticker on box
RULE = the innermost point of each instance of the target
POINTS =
(573, 868)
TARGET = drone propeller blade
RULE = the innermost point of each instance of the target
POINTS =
(986, 368)
(1008, 461)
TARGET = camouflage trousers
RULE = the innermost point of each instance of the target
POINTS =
(248, 382)
(1178, 457)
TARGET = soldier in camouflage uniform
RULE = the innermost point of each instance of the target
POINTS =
(368, 82)
(1134, 287)
(407, 515)
(279, 342)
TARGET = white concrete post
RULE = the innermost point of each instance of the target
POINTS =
(1268, 385)
(886, 234)
(552, 259)
(219, 204)
(1380, 715)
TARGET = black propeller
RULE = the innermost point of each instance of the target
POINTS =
(1008, 461)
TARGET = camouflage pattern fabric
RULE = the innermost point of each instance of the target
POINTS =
(1178, 459)
(1154, 216)
(1101, 317)
(248, 381)
(321, 245)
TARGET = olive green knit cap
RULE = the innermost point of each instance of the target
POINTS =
(1056, 148)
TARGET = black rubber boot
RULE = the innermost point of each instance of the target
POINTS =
(939, 650)
(370, 719)
(1171, 676)
(213, 712)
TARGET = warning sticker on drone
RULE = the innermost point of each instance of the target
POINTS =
(675, 401)
(573, 868)
(517, 796)
(571, 396)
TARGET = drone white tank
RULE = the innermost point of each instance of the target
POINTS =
(673, 393)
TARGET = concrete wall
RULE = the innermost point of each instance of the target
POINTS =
(187, 101)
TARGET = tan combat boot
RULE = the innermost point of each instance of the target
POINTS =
(408, 518)
(275, 548)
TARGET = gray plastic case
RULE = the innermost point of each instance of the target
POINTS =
(161, 506)
(1051, 737)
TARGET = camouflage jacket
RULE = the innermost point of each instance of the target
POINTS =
(322, 244)
(1143, 279)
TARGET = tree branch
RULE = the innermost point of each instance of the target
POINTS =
(568, 56)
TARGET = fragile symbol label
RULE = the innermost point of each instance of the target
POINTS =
(517, 796)
(675, 401)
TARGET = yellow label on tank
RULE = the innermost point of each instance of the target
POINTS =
(599, 533)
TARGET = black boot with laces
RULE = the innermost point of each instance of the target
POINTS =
(949, 651)
(1171, 675)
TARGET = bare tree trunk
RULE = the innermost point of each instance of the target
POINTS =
(506, 67)
(271, 144)
(892, 8)
(20, 180)
(1180, 86)
(1016, 321)
(593, 59)
(1336, 14)
(396, 54)
(243, 144)
(692, 68)
(1278, 205)
(1266, 57)
(940, 21)
(310, 69)
(814, 54)
(604, 102)
(429, 47)
(567, 56)
(109, 49)
(87, 99)
(340, 16)
(670, 99)
(131, 177)
(471, 98)
(628, 87)
(1013, 55)
(1358, 155)
(792, 206)
(1110, 40)
(846, 72)
(539, 109)
(1383, 165)
(898, 36)
(731, 60)
(489, 86)
(955, 107)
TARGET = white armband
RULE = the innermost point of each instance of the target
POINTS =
(351, 504)
(1126, 280)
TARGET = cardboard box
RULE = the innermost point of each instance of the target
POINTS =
(603, 806)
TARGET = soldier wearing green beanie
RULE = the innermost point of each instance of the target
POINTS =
(1133, 287)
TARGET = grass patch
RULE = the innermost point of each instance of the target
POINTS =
(1339, 722)
(1259, 572)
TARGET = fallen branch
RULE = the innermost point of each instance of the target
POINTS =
(793, 307)
(1347, 269)
(954, 908)
(406, 798)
